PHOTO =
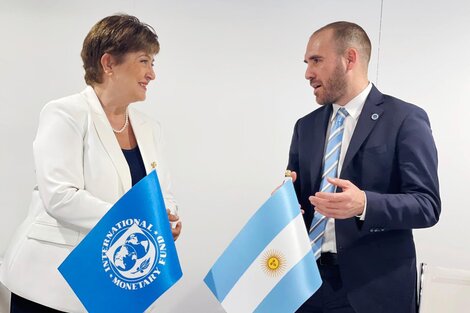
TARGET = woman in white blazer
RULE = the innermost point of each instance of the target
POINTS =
(90, 148)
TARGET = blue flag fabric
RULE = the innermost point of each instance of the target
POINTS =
(269, 267)
(129, 258)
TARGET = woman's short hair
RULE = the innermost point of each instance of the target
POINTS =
(117, 35)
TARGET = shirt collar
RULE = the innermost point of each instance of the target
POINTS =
(354, 107)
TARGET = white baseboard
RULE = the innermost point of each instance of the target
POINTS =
(444, 289)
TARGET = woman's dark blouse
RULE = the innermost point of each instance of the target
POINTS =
(136, 164)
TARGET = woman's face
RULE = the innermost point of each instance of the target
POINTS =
(131, 77)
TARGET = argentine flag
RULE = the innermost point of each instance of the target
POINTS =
(269, 266)
(129, 258)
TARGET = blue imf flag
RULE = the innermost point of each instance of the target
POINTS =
(129, 258)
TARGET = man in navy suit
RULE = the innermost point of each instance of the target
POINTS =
(387, 181)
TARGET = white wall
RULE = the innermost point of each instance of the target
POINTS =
(229, 89)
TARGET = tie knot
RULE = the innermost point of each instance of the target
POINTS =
(343, 112)
(341, 115)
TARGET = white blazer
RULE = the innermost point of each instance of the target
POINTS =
(81, 172)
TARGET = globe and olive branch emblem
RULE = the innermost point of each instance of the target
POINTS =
(143, 266)
(133, 253)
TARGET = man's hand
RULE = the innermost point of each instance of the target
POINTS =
(348, 203)
(293, 176)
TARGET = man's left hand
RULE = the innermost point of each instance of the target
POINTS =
(348, 203)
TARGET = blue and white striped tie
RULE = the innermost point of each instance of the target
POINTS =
(330, 169)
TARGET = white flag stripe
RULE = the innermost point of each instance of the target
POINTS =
(292, 243)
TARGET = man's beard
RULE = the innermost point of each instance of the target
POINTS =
(335, 87)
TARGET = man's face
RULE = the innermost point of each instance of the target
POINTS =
(326, 70)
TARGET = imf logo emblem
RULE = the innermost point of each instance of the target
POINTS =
(133, 253)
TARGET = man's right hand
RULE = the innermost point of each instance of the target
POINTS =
(293, 176)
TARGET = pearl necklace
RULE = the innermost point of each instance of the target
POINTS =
(118, 131)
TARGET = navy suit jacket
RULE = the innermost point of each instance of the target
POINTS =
(392, 158)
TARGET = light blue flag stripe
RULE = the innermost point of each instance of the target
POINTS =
(284, 298)
(272, 217)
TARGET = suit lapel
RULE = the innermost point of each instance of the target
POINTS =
(370, 115)
(145, 139)
(107, 138)
(318, 130)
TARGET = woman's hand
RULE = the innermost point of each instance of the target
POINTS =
(175, 224)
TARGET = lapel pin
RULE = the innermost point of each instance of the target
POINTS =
(374, 116)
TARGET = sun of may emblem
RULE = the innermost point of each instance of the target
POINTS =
(273, 263)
